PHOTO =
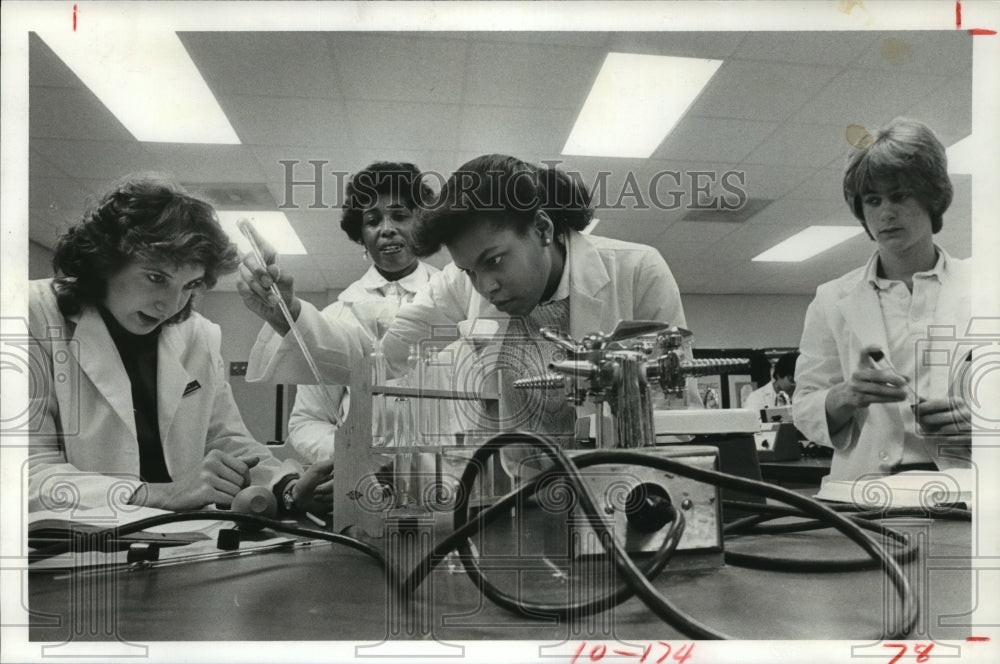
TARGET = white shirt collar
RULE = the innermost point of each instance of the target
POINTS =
(373, 281)
(880, 283)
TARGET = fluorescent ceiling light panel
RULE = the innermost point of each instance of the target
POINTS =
(148, 81)
(807, 243)
(273, 225)
(635, 102)
(962, 156)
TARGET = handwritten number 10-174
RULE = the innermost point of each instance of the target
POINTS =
(661, 651)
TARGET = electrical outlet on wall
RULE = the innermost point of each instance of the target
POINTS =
(237, 368)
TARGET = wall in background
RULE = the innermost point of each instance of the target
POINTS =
(746, 321)
(39, 261)
(257, 401)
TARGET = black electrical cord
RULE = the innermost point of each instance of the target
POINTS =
(237, 517)
(752, 526)
(637, 581)
(657, 603)
(568, 471)
(461, 534)
(783, 564)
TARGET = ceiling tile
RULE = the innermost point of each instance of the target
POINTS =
(767, 180)
(291, 121)
(948, 110)
(714, 45)
(801, 145)
(753, 91)
(439, 99)
(46, 69)
(94, 159)
(554, 38)
(531, 75)
(88, 119)
(869, 98)
(391, 66)
(795, 212)
(925, 52)
(699, 231)
(270, 64)
(204, 163)
(824, 184)
(408, 127)
(819, 48)
(714, 139)
(497, 129)
(644, 232)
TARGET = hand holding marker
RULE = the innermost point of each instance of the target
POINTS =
(249, 232)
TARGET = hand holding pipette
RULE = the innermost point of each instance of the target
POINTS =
(882, 362)
(259, 287)
(265, 289)
(868, 383)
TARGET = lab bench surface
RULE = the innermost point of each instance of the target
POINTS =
(329, 592)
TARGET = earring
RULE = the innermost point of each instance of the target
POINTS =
(546, 241)
(365, 253)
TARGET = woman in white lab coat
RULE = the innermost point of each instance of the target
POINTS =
(520, 262)
(129, 398)
(380, 204)
(910, 302)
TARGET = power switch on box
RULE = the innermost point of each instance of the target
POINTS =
(633, 500)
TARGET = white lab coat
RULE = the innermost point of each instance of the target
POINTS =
(609, 281)
(311, 428)
(85, 452)
(844, 317)
(761, 398)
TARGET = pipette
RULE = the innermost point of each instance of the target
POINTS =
(248, 231)
(881, 361)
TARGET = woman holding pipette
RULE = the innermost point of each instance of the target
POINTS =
(520, 262)
(380, 204)
(863, 383)
(129, 397)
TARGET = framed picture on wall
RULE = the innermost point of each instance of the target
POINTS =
(710, 390)
(740, 386)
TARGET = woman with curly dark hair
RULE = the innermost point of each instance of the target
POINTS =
(130, 401)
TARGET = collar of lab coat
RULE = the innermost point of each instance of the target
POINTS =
(860, 305)
(863, 315)
(98, 356)
(372, 280)
(587, 278)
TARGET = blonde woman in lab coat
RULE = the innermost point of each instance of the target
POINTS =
(888, 418)
(130, 402)
(520, 262)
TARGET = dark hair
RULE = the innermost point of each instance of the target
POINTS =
(143, 217)
(507, 192)
(785, 366)
(382, 177)
(906, 152)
